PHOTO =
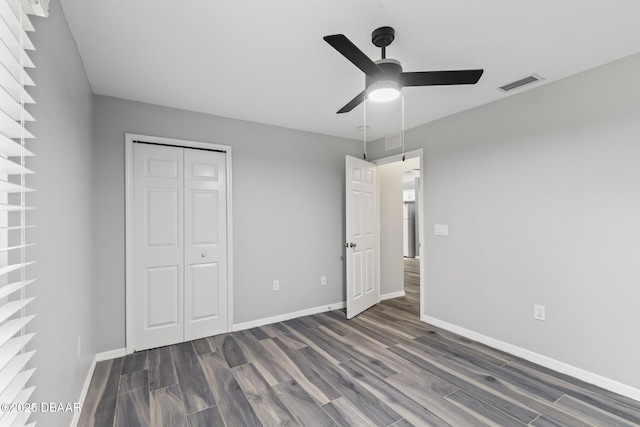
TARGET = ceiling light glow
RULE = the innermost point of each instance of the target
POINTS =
(383, 91)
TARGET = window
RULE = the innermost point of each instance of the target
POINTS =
(14, 226)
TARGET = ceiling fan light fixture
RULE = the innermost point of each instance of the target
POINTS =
(383, 91)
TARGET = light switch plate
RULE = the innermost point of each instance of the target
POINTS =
(441, 229)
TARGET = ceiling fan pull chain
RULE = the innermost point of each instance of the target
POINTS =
(402, 95)
(364, 128)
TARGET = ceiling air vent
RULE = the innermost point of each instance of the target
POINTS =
(393, 141)
(522, 82)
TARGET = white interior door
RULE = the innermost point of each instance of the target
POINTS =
(205, 255)
(363, 279)
(158, 250)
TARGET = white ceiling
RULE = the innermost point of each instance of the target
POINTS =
(266, 61)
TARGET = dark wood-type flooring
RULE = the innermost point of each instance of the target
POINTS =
(382, 368)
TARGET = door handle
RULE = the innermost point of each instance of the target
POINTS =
(352, 245)
(204, 254)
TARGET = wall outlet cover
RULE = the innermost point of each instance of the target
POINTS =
(441, 229)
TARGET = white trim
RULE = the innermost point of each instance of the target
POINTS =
(288, 316)
(392, 295)
(547, 362)
(129, 139)
(112, 354)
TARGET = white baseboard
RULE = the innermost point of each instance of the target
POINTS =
(287, 316)
(547, 362)
(392, 295)
(112, 354)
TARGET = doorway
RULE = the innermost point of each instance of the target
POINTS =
(401, 230)
(178, 257)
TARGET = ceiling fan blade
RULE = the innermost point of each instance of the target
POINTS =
(350, 51)
(435, 78)
(353, 103)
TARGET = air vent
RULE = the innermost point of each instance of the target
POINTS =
(393, 141)
(522, 82)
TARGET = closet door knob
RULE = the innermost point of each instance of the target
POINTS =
(204, 254)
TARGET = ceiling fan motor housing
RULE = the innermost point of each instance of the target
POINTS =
(392, 70)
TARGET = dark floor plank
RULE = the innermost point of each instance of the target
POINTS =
(134, 380)
(270, 368)
(511, 408)
(195, 390)
(303, 407)
(365, 350)
(587, 393)
(167, 408)
(346, 414)
(325, 389)
(483, 410)
(208, 418)
(299, 371)
(284, 334)
(233, 405)
(544, 421)
(99, 406)
(524, 384)
(592, 414)
(430, 391)
(402, 423)
(400, 402)
(531, 397)
(264, 401)
(259, 333)
(459, 350)
(204, 345)
(352, 351)
(379, 412)
(364, 330)
(162, 372)
(135, 362)
(132, 409)
(230, 351)
(318, 341)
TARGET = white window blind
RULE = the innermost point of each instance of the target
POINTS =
(15, 275)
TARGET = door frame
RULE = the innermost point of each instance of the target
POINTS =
(129, 140)
(419, 153)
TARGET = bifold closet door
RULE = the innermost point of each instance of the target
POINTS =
(205, 244)
(158, 246)
(179, 245)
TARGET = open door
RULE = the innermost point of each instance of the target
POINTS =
(363, 279)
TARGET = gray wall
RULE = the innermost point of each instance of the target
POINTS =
(541, 192)
(288, 203)
(63, 199)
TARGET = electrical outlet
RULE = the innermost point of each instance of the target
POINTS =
(276, 285)
(323, 280)
(539, 313)
(79, 345)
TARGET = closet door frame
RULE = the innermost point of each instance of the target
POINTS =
(130, 139)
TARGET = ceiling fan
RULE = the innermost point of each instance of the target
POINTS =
(384, 78)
